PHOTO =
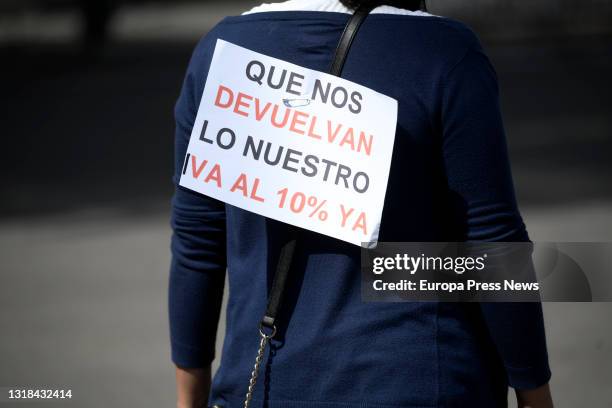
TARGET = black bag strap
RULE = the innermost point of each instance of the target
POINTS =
(279, 283)
(283, 266)
(347, 37)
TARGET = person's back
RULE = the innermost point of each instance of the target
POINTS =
(449, 181)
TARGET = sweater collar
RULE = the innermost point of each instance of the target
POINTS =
(328, 6)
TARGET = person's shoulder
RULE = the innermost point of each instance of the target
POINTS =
(429, 28)
(455, 33)
(436, 42)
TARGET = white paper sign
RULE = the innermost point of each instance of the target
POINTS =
(293, 144)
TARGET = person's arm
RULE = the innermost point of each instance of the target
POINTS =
(197, 271)
(478, 174)
(538, 398)
(193, 386)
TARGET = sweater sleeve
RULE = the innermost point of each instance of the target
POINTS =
(197, 270)
(478, 173)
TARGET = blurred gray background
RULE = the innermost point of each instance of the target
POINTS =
(87, 91)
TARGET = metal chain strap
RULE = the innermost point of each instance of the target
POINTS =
(263, 342)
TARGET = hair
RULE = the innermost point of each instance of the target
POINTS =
(412, 5)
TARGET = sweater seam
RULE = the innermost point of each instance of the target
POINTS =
(456, 64)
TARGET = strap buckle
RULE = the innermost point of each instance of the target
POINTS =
(266, 331)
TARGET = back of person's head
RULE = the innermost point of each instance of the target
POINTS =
(404, 4)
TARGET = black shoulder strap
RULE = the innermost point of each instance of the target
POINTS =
(348, 35)
(286, 254)
(280, 280)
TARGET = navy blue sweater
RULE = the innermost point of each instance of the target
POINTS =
(450, 181)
